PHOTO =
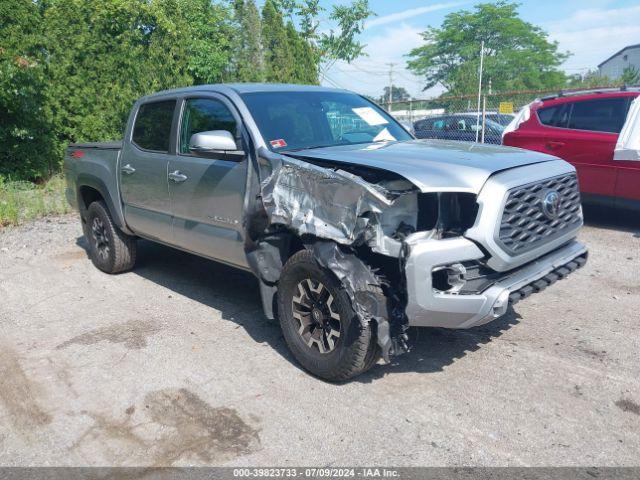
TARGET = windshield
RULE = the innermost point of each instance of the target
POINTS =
(501, 118)
(493, 127)
(314, 119)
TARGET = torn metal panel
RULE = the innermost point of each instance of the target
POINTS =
(364, 288)
(402, 213)
(312, 200)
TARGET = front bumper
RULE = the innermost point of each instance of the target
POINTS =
(428, 307)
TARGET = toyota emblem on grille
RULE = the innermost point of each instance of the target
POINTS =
(551, 205)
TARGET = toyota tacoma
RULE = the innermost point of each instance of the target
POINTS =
(355, 230)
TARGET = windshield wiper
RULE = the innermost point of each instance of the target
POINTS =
(312, 147)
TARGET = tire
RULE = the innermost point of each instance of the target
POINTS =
(111, 250)
(307, 292)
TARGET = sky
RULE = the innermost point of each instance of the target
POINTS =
(592, 30)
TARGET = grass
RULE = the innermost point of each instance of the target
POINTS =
(23, 201)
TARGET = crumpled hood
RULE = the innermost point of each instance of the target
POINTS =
(432, 165)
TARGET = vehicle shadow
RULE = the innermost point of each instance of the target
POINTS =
(432, 349)
(234, 293)
(612, 219)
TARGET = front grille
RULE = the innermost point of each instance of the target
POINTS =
(526, 226)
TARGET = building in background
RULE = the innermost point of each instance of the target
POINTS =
(613, 67)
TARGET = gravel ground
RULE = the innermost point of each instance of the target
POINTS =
(174, 364)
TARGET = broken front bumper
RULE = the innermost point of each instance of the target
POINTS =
(429, 307)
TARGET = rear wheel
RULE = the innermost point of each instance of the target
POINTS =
(320, 324)
(111, 250)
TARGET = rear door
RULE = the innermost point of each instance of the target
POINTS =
(207, 200)
(143, 174)
(584, 133)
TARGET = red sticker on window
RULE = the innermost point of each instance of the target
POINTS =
(278, 143)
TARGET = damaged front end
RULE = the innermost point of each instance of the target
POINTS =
(355, 220)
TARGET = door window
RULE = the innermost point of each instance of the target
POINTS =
(204, 115)
(439, 125)
(603, 115)
(556, 116)
(152, 130)
(424, 125)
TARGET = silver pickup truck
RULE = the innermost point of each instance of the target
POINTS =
(355, 230)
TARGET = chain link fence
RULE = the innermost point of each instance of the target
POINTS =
(459, 118)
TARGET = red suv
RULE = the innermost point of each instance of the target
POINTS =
(583, 129)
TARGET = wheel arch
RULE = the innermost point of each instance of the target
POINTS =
(267, 259)
(90, 189)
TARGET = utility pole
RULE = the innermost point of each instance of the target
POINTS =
(390, 65)
(479, 89)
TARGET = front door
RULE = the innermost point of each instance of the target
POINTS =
(143, 171)
(207, 190)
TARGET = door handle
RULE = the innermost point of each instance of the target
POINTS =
(177, 176)
(554, 145)
(128, 169)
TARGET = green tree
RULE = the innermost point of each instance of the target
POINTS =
(398, 94)
(278, 56)
(591, 79)
(104, 55)
(96, 66)
(71, 69)
(518, 55)
(342, 44)
(338, 43)
(305, 65)
(248, 55)
(28, 147)
(630, 76)
(207, 34)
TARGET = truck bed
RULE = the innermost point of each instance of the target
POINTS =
(95, 165)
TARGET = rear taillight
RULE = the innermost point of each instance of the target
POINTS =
(77, 154)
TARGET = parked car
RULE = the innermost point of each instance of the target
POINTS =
(354, 229)
(583, 128)
(461, 127)
(503, 119)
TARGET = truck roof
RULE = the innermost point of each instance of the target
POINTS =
(243, 88)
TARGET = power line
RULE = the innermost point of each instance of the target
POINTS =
(359, 79)
(369, 72)
(333, 82)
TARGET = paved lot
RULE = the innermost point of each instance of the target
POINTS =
(173, 364)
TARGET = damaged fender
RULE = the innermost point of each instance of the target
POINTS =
(365, 290)
(332, 210)
(312, 200)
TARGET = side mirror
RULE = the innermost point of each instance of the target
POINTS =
(212, 141)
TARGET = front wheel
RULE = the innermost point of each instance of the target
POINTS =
(319, 322)
(111, 250)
